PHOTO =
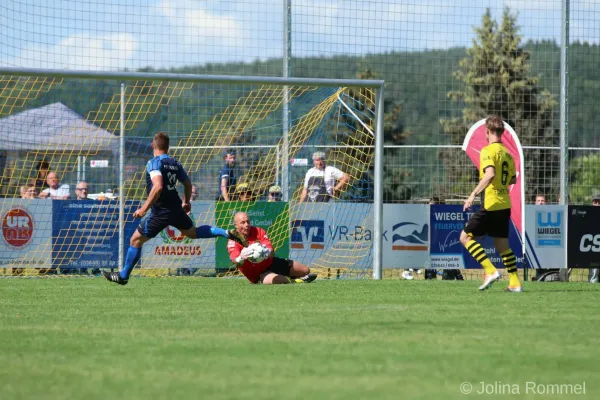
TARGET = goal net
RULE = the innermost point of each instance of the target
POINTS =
(62, 135)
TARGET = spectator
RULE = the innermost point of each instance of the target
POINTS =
(81, 190)
(594, 273)
(243, 192)
(227, 177)
(43, 168)
(195, 193)
(29, 192)
(540, 200)
(55, 190)
(322, 182)
(274, 193)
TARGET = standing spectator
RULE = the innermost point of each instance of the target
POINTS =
(29, 192)
(43, 168)
(274, 193)
(227, 177)
(594, 273)
(322, 182)
(81, 190)
(195, 193)
(540, 200)
(55, 190)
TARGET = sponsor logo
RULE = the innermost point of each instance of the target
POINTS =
(410, 236)
(549, 228)
(589, 243)
(176, 243)
(17, 228)
(307, 233)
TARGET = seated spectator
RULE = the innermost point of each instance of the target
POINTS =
(243, 192)
(195, 193)
(81, 190)
(29, 192)
(274, 193)
(55, 190)
(540, 200)
(42, 168)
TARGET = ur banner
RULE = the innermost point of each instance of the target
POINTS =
(85, 233)
(25, 238)
(273, 217)
(584, 237)
(446, 251)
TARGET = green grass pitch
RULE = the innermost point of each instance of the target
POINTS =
(180, 338)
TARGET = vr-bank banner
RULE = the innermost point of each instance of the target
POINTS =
(545, 228)
(446, 251)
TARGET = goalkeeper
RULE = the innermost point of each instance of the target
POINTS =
(272, 270)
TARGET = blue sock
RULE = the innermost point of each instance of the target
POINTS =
(132, 258)
(208, 231)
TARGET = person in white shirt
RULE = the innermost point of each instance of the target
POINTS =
(55, 190)
(322, 182)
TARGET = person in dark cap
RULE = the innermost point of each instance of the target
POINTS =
(227, 176)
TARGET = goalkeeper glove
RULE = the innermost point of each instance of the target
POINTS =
(244, 254)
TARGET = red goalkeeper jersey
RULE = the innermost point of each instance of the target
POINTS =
(250, 270)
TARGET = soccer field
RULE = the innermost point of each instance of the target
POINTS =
(177, 338)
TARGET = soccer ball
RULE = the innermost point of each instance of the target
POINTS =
(259, 253)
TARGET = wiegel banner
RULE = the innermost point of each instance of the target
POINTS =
(446, 251)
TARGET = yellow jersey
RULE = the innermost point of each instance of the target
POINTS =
(496, 195)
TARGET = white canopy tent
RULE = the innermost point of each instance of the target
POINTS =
(54, 127)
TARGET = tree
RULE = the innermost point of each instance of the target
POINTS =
(584, 178)
(497, 79)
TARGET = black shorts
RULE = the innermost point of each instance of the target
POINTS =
(491, 223)
(159, 219)
(280, 266)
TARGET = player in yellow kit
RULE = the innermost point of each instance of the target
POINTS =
(496, 174)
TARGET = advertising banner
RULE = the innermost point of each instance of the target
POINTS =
(446, 251)
(405, 235)
(332, 235)
(26, 233)
(273, 217)
(85, 233)
(583, 237)
(172, 249)
(545, 228)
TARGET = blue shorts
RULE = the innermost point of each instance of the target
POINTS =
(159, 219)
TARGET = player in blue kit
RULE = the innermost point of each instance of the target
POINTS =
(166, 208)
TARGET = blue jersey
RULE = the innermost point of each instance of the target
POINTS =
(171, 171)
(228, 173)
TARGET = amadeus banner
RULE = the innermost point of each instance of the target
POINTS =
(446, 251)
(172, 249)
(584, 237)
(545, 228)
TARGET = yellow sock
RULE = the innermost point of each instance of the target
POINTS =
(479, 255)
(510, 262)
